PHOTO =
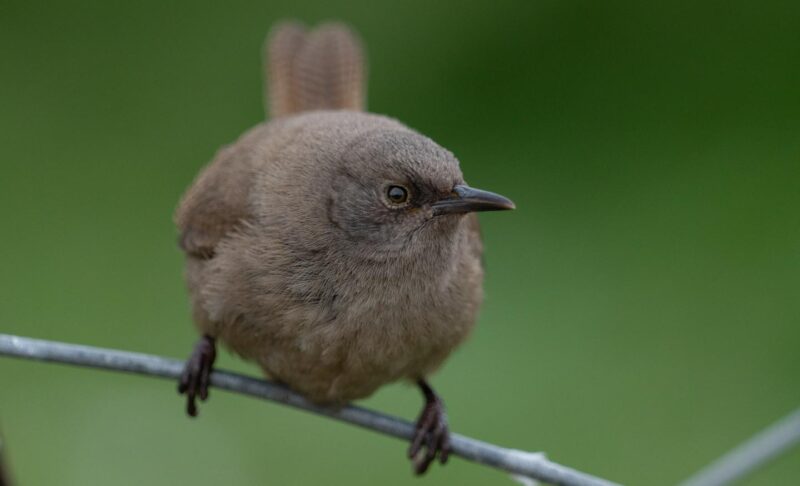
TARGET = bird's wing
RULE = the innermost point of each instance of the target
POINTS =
(322, 69)
(216, 203)
(307, 70)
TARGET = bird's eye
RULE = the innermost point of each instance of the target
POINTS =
(397, 194)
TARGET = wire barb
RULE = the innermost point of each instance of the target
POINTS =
(528, 465)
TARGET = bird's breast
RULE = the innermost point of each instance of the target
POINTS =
(336, 329)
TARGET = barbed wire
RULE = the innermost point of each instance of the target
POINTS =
(516, 462)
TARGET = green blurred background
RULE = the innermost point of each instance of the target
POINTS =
(643, 302)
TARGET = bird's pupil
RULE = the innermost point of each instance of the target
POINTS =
(397, 194)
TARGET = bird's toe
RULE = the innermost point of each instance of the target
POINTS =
(196, 377)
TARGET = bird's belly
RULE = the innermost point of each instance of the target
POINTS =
(350, 356)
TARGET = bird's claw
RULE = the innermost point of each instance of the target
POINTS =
(196, 376)
(432, 433)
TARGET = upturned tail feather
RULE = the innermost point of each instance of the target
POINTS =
(319, 69)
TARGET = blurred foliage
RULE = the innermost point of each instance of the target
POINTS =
(643, 307)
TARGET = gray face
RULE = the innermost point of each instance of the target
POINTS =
(385, 191)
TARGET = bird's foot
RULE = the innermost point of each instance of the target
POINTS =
(194, 381)
(432, 433)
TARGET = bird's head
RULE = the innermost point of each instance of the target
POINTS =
(393, 188)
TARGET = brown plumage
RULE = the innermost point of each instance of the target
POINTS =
(337, 249)
(318, 70)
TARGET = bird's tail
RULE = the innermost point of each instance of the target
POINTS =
(320, 69)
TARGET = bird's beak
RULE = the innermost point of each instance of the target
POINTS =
(465, 199)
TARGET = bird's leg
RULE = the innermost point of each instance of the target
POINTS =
(432, 433)
(196, 374)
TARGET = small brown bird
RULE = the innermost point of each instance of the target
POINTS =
(337, 249)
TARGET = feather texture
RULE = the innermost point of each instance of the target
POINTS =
(322, 69)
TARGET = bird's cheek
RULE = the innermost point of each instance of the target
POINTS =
(416, 212)
(422, 213)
